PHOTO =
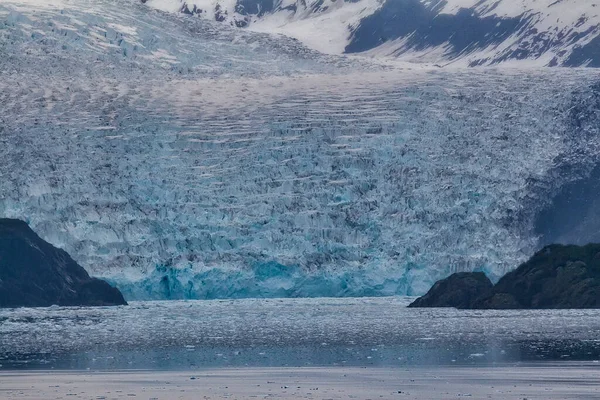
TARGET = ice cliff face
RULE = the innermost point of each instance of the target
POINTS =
(463, 32)
(182, 158)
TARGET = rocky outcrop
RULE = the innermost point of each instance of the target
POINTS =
(33, 273)
(556, 277)
(459, 290)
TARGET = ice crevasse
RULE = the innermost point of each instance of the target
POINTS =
(175, 173)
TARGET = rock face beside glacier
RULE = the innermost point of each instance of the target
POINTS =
(182, 158)
(460, 290)
(556, 277)
(33, 273)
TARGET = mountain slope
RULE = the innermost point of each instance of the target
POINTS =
(323, 25)
(466, 32)
(475, 32)
(33, 273)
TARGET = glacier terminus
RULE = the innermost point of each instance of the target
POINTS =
(179, 157)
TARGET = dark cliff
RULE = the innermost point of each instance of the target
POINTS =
(33, 273)
(555, 277)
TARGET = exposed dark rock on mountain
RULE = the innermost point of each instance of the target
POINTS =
(33, 273)
(459, 290)
(423, 26)
(556, 277)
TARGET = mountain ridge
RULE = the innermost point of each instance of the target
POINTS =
(463, 32)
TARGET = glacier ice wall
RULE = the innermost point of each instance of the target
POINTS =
(571, 215)
(208, 163)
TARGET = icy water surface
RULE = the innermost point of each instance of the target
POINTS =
(289, 332)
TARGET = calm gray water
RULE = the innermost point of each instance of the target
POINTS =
(181, 335)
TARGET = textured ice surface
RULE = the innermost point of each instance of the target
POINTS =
(183, 159)
(123, 39)
(288, 332)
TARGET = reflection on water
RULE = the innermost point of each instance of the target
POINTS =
(288, 332)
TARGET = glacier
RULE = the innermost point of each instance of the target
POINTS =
(179, 158)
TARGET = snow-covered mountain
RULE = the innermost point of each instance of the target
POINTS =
(464, 32)
(323, 25)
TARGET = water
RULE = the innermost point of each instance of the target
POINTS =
(182, 335)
